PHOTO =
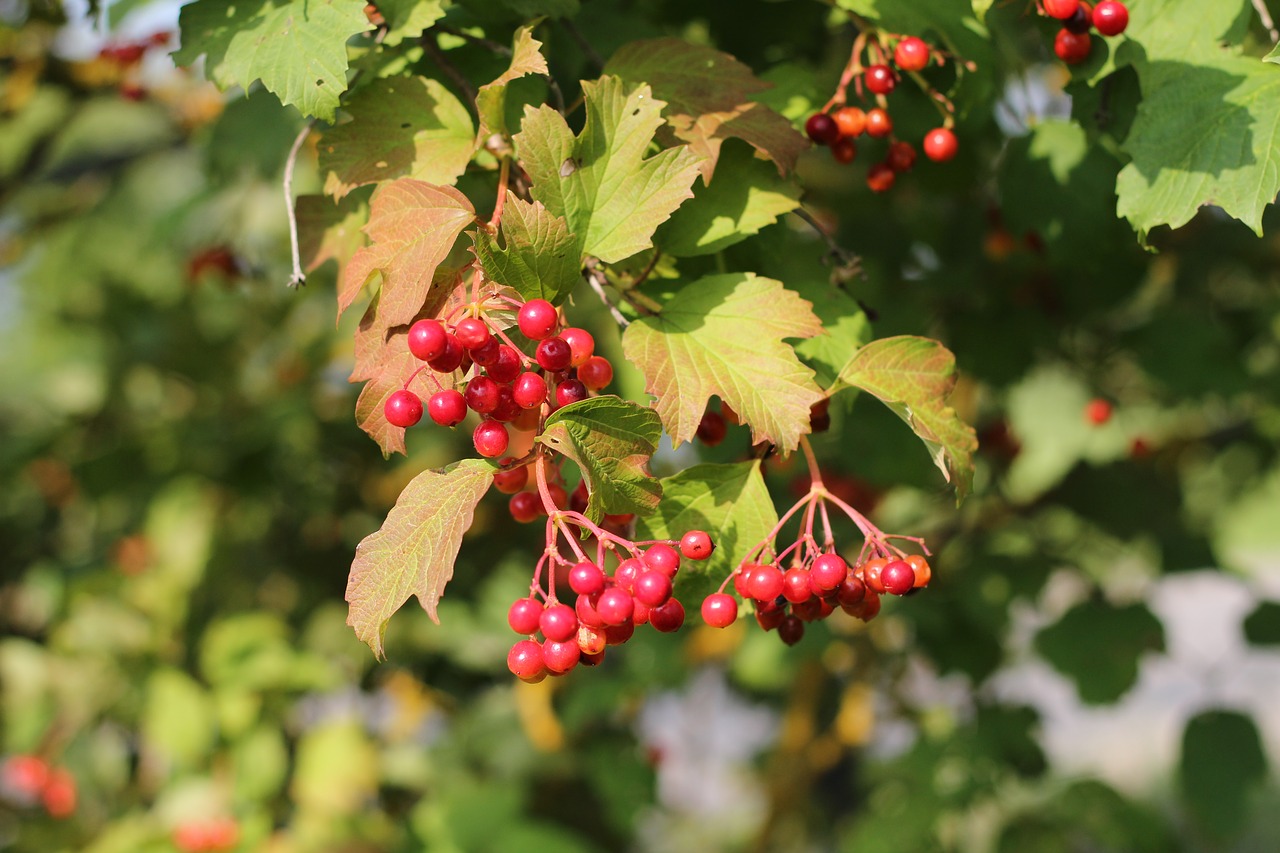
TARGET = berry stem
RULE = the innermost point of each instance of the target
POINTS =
(503, 175)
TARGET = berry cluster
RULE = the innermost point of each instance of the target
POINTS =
(507, 386)
(28, 779)
(839, 129)
(1073, 43)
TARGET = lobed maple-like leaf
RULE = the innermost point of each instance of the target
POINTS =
(600, 182)
(328, 231)
(722, 335)
(412, 228)
(538, 257)
(728, 501)
(399, 126)
(708, 99)
(914, 376)
(611, 440)
(491, 99)
(394, 367)
(407, 19)
(297, 48)
(414, 550)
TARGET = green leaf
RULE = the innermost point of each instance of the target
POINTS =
(1246, 534)
(600, 182)
(731, 502)
(491, 99)
(399, 126)
(414, 551)
(1222, 763)
(612, 440)
(914, 376)
(538, 257)
(406, 19)
(745, 196)
(412, 228)
(708, 99)
(1273, 56)
(177, 722)
(298, 48)
(1099, 646)
(722, 335)
(328, 231)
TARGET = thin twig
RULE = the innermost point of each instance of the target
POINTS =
(1265, 17)
(298, 278)
(587, 47)
(848, 260)
(432, 49)
(557, 97)
(595, 278)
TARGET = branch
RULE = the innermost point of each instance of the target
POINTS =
(1265, 16)
(587, 47)
(496, 47)
(595, 278)
(298, 278)
(432, 49)
(849, 263)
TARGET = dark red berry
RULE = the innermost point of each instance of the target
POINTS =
(1072, 48)
(586, 579)
(506, 366)
(553, 354)
(880, 79)
(769, 617)
(570, 391)
(901, 157)
(696, 545)
(596, 372)
(537, 319)
(525, 507)
(530, 390)
(558, 622)
(911, 54)
(524, 614)
(711, 429)
(403, 409)
(525, 660)
(511, 480)
(427, 339)
(451, 359)
(490, 439)
(482, 395)
(1111, 18)
(581, 345)
(880, 177)
(487, 353)
(719, 610)
(1081, 20)
(472, 333)
(851, 591)
(844, 150)
(616, 635)
(669, 617)
(940, 144)
(898, 577)
(790, 630)
(822, 129)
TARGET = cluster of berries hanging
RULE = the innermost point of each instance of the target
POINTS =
(872, 73)
(27, 780)
(1073, 43)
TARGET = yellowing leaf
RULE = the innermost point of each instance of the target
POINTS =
(412, 228)
(612, 440)
(914, 376)
(723, 336)
(600, 182)
(399, 126)
(491, 99)
(414, 551)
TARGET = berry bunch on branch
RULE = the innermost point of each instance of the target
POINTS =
(1074, 42)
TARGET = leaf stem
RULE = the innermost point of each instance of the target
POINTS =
(504, 174)
(298, 278)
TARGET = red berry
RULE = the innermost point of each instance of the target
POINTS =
(482, 395)
(641, 614)
(578, 500)
(791, 630)
(1097, 411)
(507, 409)
(822, 129)
(525, 660)
(808, 610)
(878, 123)
(558, 622)
(851, 591)
(1072, 48)
(530, 390)
(596, 372)
(696, 545)
(923, 572)
(627, 572)
(24, 777)
(487, 353)
(867, 610)
(506, 366)
(844, 150)
(851, 121)
(1060, 9)
(490, 439)
(554, 354)
(653, 588)
(537, 319)
(586, 579)
(940, 144)
(591, 639)
(719, 610)
(403, 409)
(1081, 20)
(559, 497)
(523, 615)
(570, 391)
(585, 609)
(669, 617)
(769, 617)
(901, 157)
(511, 480)
(880, 177)
(561, 657)
(880, 79)
(711, 429)
(427, 340)
(795, 585)
(616, 635)
(871, 571)
(451, 358)
(664, 558)
(59, 794)
(615, 606)
(1111, 18)
(765, 583)
(898, 577)
(911, 54)
(472, 333)
(581, 345)
(828, 571)
(447, 408)
(525, 507)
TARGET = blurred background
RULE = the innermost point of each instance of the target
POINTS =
(1096, 666)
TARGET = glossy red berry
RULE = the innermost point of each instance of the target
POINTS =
(586, 579)
(427, 340)
(940, 144)
(764, 583)
(696, 545)
(615, 606)
(923, 572)
(669, 617)
(870, 606)
(530, 390)
(711, 429)
(506, 365)
(507, 410)
(403, 409)
(472, 332)
(490, 439)
(878, 123)
(585, 609)
(664, 558)
(627, 572)
(511, 480)
(1111, 18)
(581, 345)
(525, 660)
(537, 319)
(880, 177)
(719, 610)
(558, 622)
(451, 359)
(561, 657)
(795, 585)
(653, 588)
(447, 408)
(482, 395)
(1097, 411)
(1060, 9)
(822, 129)
(851, 591)
(911, 54)
(523, 615)
(525, 507)
(553, 354)
(851, 121)
(880, 79)
(570, 391)
(1081, 20)
(828, 571)
(1072, 48)
(791, 630)
(616, 635)
(871, 571)
(769, 617)
(487, 353)
(596, 372)
(901, 157)
(898, 577)
(844, 150)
